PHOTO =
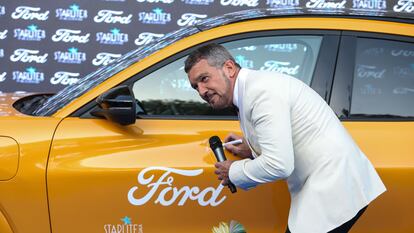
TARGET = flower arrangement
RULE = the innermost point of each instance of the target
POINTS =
(233, 227)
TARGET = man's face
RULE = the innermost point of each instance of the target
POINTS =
(212, 84)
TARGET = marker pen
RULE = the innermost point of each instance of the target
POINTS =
(235, 142)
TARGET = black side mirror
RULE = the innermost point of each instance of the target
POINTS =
(117, 105)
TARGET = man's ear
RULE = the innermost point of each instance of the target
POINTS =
(230, 68)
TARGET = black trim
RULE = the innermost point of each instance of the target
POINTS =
(325, 66)
(83, 112)
(184, 117)
(340, 100)
(375, 119)
(380, 36)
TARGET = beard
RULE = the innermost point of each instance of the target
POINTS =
(222, 100)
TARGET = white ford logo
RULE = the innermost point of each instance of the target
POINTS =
(188, 19)
(169, 194)
(109, 16)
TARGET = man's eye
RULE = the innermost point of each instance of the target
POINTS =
(204, 79)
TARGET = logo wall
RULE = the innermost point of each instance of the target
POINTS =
(47, 45)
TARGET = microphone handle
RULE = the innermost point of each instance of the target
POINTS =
(232, 187)
(219, 153)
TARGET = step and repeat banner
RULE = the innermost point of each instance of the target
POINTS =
(47, 45)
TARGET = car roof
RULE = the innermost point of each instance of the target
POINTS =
(68, 94)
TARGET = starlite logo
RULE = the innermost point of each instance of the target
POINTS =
(404, 6)
(3, 76)
(27, 55)
(283, 48)
(157, 1)
(125, 227)
(109, 16)
(369, 5)
(282, 3)
(243, 62)
(198, 2)
(115, 37)
(64, 78)
(2, 10)
(73, 13)
(69, 36)
(30, 76)
(250, 3)
(369, 89)
(373, 51)
(31, 33)
(188, 19)
(72, 56)
(281, 67)
(325, 5)
(157, 16)
(3, 34)
(146, 38)
(406, 72)
(29, 13)
(104, 58)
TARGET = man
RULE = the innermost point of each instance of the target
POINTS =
(290, 133)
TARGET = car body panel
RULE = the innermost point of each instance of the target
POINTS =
(24, 197)
(388, 145)
(92, 171)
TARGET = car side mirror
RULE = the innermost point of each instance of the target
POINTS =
(117, 105)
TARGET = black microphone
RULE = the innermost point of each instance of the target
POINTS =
(217, 147)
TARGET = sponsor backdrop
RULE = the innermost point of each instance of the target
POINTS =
(47, 45)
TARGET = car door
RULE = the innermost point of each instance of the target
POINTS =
(373, 94)
(157, 175)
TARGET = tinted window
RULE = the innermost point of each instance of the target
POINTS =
(383, 78)
(167, 90)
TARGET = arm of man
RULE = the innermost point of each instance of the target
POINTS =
(270, 116)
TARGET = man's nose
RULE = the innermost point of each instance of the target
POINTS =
(202, 90)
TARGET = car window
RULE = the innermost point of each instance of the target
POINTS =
(383, 79)
(167, 91)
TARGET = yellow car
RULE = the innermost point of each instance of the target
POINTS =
(126, 150)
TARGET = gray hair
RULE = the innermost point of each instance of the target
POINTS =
(215, 54)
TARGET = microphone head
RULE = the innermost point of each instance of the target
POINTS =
(215, 142)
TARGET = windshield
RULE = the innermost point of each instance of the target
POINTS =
(93, 79)
(70, 93)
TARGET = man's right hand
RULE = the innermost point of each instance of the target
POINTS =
(241, 150)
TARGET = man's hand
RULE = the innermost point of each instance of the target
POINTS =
(222, 171)
(241, 150)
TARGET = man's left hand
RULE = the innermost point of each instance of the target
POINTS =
(222, 171)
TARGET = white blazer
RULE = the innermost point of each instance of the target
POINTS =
(295, 135)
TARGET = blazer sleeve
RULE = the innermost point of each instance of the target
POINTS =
(271, 120)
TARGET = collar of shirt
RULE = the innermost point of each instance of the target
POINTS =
(238, 91)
